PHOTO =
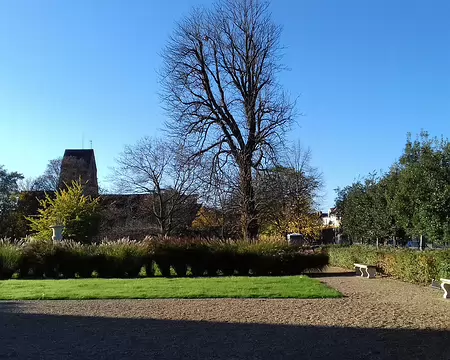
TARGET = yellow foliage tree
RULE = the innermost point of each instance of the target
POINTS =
(70, 207)
(208, 219)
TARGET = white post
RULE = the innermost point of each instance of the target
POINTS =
(57, 232)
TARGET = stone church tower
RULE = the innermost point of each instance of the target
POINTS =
(79, 164)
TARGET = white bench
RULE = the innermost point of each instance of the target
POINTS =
(366, 271)
(445, 285)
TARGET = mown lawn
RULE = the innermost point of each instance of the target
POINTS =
(297, 287)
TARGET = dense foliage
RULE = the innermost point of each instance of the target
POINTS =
(286, 202)
(411, 200)
(408, 265)
(126, 258)
(70, 207)
(8, 201)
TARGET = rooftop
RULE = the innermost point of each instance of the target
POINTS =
(82, 154)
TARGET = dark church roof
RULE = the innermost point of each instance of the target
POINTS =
(81, 154)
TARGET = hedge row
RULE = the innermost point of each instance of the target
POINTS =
(413, 266)
(125, 258)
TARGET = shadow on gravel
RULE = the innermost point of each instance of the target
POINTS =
(34, 336)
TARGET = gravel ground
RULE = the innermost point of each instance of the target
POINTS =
(377, 319)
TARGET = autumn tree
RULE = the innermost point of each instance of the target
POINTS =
(221, 91)
(287, 195)
(209, 222)
(70, 207)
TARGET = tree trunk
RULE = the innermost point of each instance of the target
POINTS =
(160, 212)
(421, 243)
(249, 220)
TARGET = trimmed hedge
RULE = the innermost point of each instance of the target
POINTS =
(125, 258)
(237, 258)
(419, 267)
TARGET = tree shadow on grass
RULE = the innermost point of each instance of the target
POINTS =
(38, 336)
(349, 273)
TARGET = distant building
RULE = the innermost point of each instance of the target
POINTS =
(122, 215)
(133, 216)
(330, 219)
(79, 164)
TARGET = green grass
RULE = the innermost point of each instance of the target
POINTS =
(297, 287)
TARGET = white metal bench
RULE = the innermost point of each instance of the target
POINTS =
(366, 271)
(445, 285)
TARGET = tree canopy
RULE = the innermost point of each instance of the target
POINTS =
(412, 198)
(9, 188)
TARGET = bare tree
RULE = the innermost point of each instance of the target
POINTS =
(27, 184)
(49, 180)
(153, 166)
(311, 182)
(220, 191)
(220, 89)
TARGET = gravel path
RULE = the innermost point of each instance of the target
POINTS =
(377, 319)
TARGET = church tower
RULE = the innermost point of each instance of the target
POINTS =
(79, 164)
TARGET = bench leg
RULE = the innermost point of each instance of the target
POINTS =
(365, 273)
(371, 273)
(446, 288)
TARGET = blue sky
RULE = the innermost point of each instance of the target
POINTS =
(366, 73)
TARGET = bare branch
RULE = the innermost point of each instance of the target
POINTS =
(220, 90)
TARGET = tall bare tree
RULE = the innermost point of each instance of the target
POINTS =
(153, 166)
(220, 89)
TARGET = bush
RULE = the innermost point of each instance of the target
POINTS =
(198, 258)
(230, 258)
(443, 264)
(55, 259)
(347, 256)
(10, 258)
(74, 259)
(78, 213)
(38, 260)
(285, 259)
(121, 258)
(126, 258)
(413, 266)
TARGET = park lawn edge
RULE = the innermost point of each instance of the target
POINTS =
(287, 287)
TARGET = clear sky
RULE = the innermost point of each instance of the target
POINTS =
(366, 73)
